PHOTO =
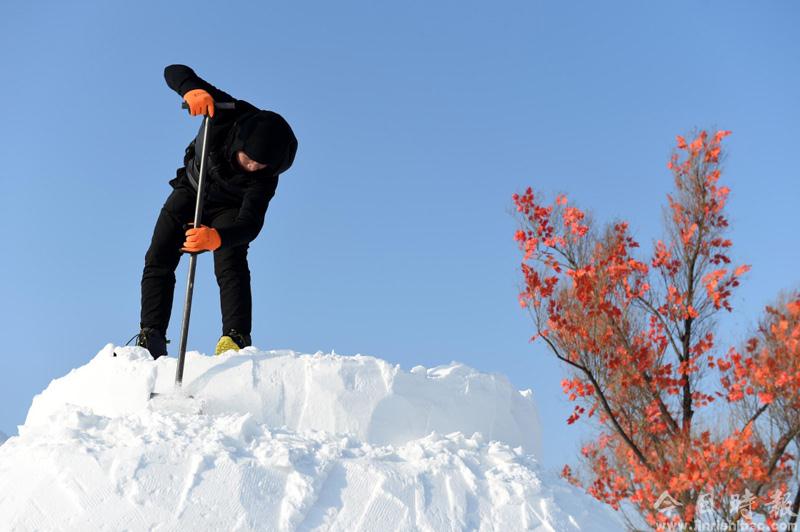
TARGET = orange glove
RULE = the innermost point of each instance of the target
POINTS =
(200, 102)
(199, 239)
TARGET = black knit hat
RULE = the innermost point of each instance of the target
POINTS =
(267, 138)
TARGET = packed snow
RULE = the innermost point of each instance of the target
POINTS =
(277, 440)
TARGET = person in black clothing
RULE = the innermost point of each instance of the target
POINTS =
(248, 149)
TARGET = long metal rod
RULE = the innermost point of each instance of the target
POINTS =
(198, 214)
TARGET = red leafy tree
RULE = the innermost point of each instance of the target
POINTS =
(686, 434)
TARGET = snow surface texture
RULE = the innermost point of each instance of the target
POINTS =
(283, 441)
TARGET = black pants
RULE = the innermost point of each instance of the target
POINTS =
(161, 260)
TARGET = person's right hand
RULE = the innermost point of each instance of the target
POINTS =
(200, 102)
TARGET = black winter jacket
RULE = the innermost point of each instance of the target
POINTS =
(226, 182)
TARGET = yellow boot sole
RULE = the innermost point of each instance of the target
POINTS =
(225, 343)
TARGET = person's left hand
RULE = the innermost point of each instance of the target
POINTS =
(200, 239)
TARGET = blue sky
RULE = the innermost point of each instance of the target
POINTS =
(392, 235)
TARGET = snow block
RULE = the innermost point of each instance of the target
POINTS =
(283, 441)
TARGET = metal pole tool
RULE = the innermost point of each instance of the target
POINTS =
(198, 215)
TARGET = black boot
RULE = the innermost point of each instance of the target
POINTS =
(154, 341)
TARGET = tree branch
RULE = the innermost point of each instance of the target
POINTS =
(661, 406)
(755, 416)
(658, 315)
(649, 380)
(688, 412)
(617, 426)
(606, 407)
(560, 356)
(780, 447)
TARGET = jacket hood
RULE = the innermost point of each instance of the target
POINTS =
(265, 137)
